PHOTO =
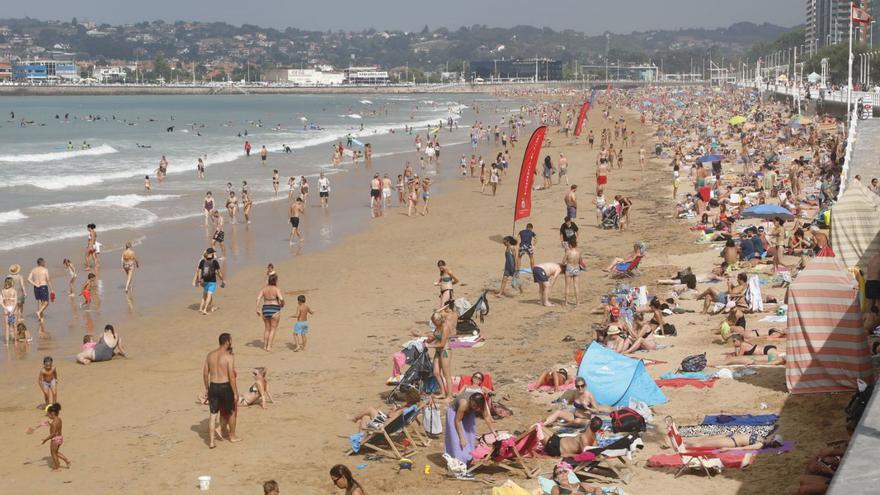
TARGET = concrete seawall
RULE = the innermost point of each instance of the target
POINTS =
(132, 89)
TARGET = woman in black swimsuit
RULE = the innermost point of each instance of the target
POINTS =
(743, 348)
(562, 476)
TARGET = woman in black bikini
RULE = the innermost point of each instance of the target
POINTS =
(743, 348)
(735, 441)
(446, 281)
(584, 406)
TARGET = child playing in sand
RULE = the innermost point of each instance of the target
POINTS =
(48, 380)
(87, 292)
(301, 327)
(21, 333)
(53, 412)
(71, 273)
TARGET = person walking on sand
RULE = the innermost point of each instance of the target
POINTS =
(601, 175)
(324, 190)
(270, 300)
(375, 192)
(563, 169)
(219, 375)
(301, 327)
(206, 276)
(92, 248)
(219, 236)
(296, 209)
(642, 158)
(247, 148)
(42, 283)
(426, 193)
(129, 264)
(263, 154)
(276, 181)
(571, 203)
(573, 261)
(55, 436)
(209, 206)
(509, 274)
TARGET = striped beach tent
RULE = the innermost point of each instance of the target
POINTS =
(855, 225)
(826, 348)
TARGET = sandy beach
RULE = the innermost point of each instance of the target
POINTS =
(134, 425)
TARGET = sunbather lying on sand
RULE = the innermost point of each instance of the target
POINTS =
(734, 293)
(372, 418)
(571, 446)
(772, 359)
(552, 379)
(734, 441)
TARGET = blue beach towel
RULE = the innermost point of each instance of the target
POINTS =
(741, 419)
(693, 375)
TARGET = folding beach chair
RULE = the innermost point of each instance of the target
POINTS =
(690, 460)
(402, 426)
(627, 269)
(609, 464)
(511, 455)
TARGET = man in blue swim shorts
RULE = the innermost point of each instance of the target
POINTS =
(207, 274)
(545, 276)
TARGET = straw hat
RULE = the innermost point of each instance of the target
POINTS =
(14, 269)
(613, 330)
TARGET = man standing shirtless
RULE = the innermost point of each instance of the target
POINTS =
(601, 173)
(39, 278)
(375, 191)
(221, 389)
(296, 209)
(571, 202)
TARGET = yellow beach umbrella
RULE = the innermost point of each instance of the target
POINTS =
(737, 120)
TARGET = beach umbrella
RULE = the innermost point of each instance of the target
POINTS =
(767, 212)
(710, 158)
(737, 120)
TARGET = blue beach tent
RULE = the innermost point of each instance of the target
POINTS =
(613, 378)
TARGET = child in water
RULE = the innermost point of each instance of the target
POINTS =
(54, 423)
(87, 292)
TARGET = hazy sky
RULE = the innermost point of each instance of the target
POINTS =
(591, 16)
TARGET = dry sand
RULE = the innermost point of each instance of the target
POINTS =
(133, 425)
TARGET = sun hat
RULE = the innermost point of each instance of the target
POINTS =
(613, 330)
(14, 269)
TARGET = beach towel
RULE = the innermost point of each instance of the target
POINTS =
(532, 387)
(774, 319)
(548, 484)
(732, 461)
(464, 343)
(753, 295)
(686, 382)
(693, 375)
(509, 488)
(712, 430)
(461, 382)
(741, 419)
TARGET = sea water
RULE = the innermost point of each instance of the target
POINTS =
(51, 186)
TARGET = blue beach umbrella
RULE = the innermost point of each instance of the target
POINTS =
(767, 212)
(710, 158)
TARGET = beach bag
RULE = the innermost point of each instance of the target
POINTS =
(669, 329)
(694, 363)
(432, 422)
(626, 420)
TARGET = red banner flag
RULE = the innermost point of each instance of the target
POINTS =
(580, 123)
(860, 15)
(527, 174)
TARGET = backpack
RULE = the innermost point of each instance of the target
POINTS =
(857, 406)
(669, 329)
(627, 420)
(694, 363)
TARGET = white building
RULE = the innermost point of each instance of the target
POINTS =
(366, 75)
(304, 77)
(107, 75)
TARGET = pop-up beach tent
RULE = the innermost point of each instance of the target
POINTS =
(855, 225)
(613, 378)
(826, 348)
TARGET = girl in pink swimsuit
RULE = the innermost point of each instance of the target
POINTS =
(55, 437)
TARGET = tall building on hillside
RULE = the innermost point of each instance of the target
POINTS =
(827, 22)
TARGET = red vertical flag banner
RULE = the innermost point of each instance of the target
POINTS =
(527, 174)
(580, 123)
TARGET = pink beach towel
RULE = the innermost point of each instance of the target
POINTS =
(684, 382)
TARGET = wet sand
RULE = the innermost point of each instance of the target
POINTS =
(137, 418)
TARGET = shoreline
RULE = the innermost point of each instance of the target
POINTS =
(368, 293)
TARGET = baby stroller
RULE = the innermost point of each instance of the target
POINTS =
(466, 324)
(610, 218)
(419, 376)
